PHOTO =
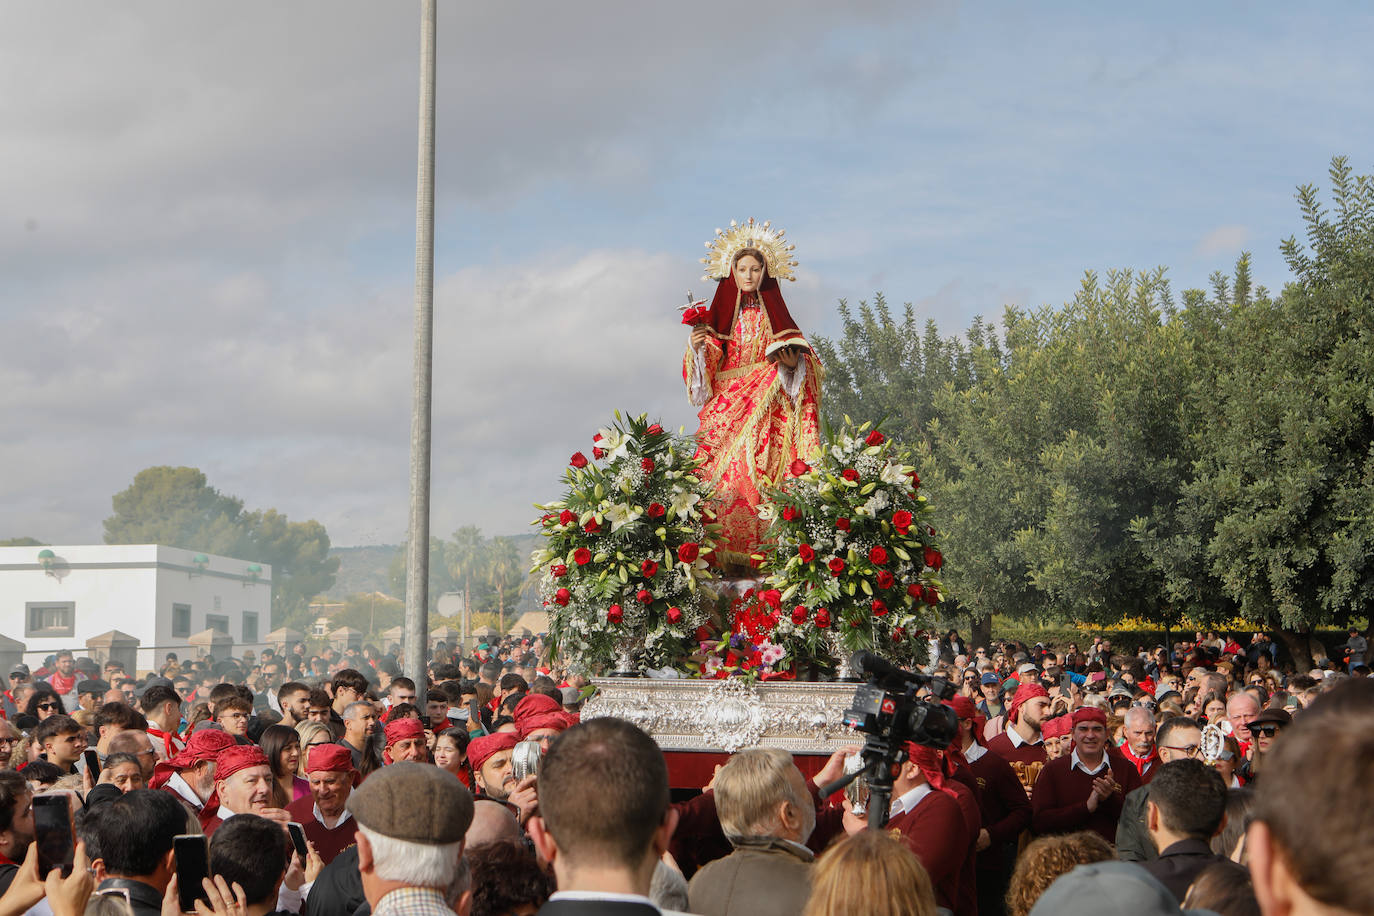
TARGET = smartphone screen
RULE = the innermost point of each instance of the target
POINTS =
(193, 864)
(92, 762)
(53, 834)
(298, 839)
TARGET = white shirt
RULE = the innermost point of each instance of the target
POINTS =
(909, 800)
(1077, 763)
(183, 788)
(343, 817)
(1016, 740)
(974, 751)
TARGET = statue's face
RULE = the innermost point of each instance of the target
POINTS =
(748, 273)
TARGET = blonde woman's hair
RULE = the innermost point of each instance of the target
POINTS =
(1046, 859)
(749, 789)
(309, 731)
(870, 874)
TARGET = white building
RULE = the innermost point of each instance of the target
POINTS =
(55, 598)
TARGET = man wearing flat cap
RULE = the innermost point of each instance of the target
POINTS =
(323, 814)
(407, 852)
(1085, 790)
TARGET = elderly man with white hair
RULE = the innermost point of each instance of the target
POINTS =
(767, 813)
(1139, 747)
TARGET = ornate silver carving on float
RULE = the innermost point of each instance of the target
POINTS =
(730, 714)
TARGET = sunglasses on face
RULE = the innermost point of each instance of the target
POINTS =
(1268, 729)
(47, 706)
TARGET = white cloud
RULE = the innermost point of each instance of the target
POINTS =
(1223, 240)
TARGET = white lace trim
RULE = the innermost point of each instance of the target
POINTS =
(793, 379)
(699, 392)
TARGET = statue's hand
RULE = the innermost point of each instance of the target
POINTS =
(789, 357)
(699, 335)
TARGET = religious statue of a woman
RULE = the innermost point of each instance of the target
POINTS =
(756, 380)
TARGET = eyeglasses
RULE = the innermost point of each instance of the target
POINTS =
(1192, 750)
(48, 706)
(1268, 729)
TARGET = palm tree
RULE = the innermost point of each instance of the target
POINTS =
(466, 556)
(504, 570)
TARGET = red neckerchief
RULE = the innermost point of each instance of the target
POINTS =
(6, 860)
(1141, 763)
(169, 740)
(62, 685)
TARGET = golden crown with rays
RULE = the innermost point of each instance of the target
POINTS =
(777, 253)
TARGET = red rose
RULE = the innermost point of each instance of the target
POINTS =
(643, 596)
(598, 453)
(899, 634)
(647, 464)
(675, 615)
(702, 634)
(915, 591)
(561, 596)
(915, 481)
(822, 618)
(901, 520)
(885, 579)
(771, 597)
(850, 475)
(806, 553)
(578, 460)
(933, 559)
(836, 566)
(592, 526)
(877, 556)
(842, 524)
(656, 510)
(687, 553)
(879, 608)
(582, 556)
(654, 430)
(789, 514)
(615, 614)
(559, 570)
(567, 517)
(798, 467)
(799, 614)
(875, 438)
(649, 568)
(932, 596)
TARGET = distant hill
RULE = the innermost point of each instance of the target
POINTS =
(362, 569)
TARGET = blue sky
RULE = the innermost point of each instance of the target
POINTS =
(206, 214)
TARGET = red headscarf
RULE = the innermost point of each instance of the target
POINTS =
(331, 758)
(1088, 714)
(400, 730)
(932, 767)
(482, 749)
(1057, 727)
(725, 303)
(963, 708)
(204, 745)
(537, 711)
(239, 757)
(1023, 693)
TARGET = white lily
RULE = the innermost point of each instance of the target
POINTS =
(892, 473)
(621, 514)
(682, 503)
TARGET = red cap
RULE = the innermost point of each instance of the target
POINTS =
(482, 749)
(1023, 693)
(1088, 714)
(400, 729)
(1057, 727)
(537, 711)
(204, 745)
(239, 757)
(329, 758)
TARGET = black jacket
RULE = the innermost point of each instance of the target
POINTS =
(143, 898)
(597, 908)
(1180, 863)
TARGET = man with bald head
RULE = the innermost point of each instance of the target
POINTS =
(1240, 709)
(492, 822)
(139, 745)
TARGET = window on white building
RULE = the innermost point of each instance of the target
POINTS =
(50, 618)
(217, 622)
(181, 620)
(217, 604)
(250, 627)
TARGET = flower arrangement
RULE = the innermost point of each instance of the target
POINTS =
(854, 563)
(747, 651)
(625, 550)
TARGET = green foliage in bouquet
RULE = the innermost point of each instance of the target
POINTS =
(854, 563)
(623, 556)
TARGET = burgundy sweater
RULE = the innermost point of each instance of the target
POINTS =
(1006, 809)
(936, 832)
(1060, 801)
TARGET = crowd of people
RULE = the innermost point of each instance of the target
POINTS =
(1203, 776)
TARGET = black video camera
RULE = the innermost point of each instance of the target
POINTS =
(888, 710)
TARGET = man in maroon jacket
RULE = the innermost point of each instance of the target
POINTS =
(1085, 790)
(1021, 742)
(1005, 808)
(324, 813)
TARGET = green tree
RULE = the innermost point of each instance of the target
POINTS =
(1285, 478)
(22, 542)
(505, 573)
(178, 507)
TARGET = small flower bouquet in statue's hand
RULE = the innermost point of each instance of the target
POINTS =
(625, 551)
(854, 562)
(695, 312)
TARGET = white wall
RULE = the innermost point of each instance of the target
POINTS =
(131, 589)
